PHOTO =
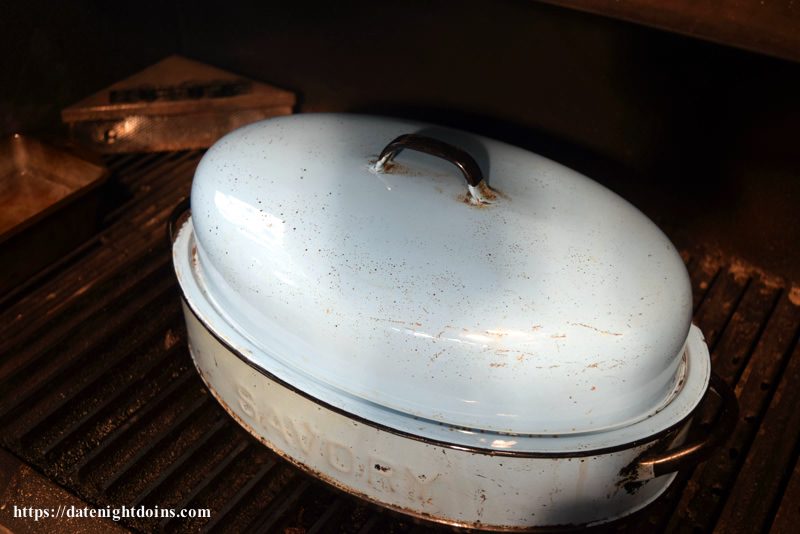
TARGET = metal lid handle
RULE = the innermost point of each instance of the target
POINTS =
(466, 164)
(175, 217)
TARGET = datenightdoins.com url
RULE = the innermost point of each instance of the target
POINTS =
(109, 512)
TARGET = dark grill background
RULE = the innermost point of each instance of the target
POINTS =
(99, 393)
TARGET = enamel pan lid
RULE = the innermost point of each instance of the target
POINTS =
(540, 304)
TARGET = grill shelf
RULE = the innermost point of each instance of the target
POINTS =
(98, 392)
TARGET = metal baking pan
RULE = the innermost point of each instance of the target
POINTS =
(49, 201)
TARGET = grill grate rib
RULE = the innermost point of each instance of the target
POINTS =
(80, 426)
(216, 473)
(96, 454)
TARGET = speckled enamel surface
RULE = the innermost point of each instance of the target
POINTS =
(558, 309)
(431, 481)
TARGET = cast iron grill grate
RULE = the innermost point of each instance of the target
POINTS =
(99, 393)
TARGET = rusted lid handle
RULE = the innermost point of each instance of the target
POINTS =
(465, 163)
(689, 454)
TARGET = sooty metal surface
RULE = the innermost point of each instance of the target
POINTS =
(97, 391)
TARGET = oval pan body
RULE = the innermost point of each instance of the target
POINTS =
(557, 309)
